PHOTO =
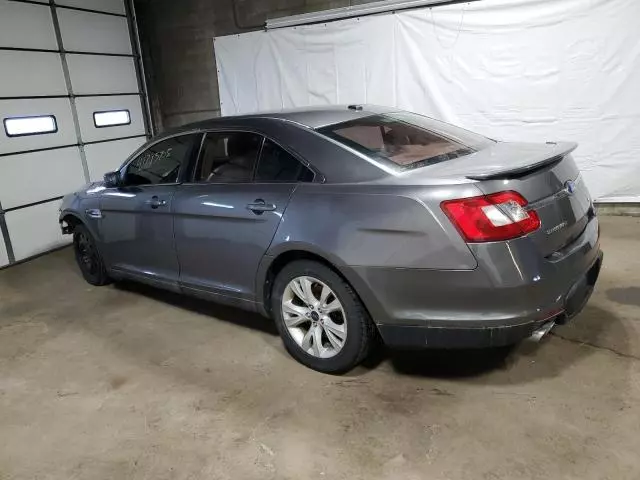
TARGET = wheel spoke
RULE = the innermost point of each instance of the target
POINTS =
(307, 340)
(326, 291)
(294, 314)
(317, 340)
(296, 288)
(336, 343)
(306, 288)
(337, 330)
(333, 306)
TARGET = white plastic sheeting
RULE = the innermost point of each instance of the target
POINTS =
(528, 70)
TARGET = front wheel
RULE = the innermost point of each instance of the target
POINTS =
(88, 257)
(321, 320)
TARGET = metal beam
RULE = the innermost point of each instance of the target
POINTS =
(4, 235)
(67, 79)
(350, 12)
(33, 204)
(134, 33)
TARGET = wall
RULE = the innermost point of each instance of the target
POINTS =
(177, 44)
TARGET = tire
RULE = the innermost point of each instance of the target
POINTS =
(88, 257)
(351, 320)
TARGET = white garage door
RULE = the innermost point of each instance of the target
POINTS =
(71, 109)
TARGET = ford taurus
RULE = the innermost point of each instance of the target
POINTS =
(349, 224)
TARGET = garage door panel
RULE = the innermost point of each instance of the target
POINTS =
(94, 32)
(26, 74)
(24, 25)
(95, 74)
(35, 229)
(109, 156)
(109, 6)
(87, 106)
(60, 108)
(34, 177)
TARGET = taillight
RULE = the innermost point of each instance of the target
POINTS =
(491, 218)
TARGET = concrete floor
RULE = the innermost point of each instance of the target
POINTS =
(131, 383)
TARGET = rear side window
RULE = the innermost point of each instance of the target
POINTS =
(279, 166)
(161, 162)
(405, 140)
(228, 157)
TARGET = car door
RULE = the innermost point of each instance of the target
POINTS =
(136, 227)
(226, 218)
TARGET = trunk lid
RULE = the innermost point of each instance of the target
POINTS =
(548, 178)
(544, 174)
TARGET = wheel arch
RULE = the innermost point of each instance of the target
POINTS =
(275, 261)
(72, 220)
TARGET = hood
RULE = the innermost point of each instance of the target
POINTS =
(91, 189)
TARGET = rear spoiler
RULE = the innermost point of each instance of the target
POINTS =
(557, 153)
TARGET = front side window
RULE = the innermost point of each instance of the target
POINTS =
(405, 140)
(228, 157)
(279, 166)
(161, 162)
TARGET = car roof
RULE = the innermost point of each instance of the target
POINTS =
(310, 117)
(294, 128)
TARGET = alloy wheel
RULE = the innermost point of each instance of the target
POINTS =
(87, 254)
(314, 317)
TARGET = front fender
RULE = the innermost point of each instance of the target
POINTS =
(76, 206)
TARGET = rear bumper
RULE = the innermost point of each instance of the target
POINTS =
(452, 337)
(490, 336)
(510, 295)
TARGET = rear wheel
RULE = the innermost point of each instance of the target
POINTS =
(88, 257)
(321, 320)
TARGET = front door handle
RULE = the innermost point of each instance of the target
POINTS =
(94, 213)
(259, 206)
(155, 202)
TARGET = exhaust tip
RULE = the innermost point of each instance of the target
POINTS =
(538, 334)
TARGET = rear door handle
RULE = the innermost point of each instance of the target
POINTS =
(155, 202)
(259, 206)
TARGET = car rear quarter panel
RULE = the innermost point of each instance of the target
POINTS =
(369, 231)
(387, 227)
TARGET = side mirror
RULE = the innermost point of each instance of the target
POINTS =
(112, 179)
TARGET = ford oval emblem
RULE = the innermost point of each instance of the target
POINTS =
(570, 187)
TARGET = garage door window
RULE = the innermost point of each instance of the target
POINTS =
(112, 118)
(34, 125)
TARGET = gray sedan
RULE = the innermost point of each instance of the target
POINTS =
(349, 224)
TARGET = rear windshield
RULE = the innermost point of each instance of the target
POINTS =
(406, 140)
